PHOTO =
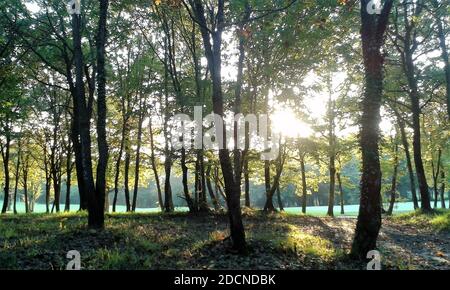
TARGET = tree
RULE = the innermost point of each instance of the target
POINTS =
(393, 191)
(97, 198)
(373, 28)
(407, 44)
(439, 15)
(212, 42)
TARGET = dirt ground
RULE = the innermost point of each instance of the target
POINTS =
(402, 245)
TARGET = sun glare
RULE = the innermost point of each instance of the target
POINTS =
(287, 124)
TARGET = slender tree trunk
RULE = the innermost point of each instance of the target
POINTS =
(394, 181)
(210, 189)
(330, 211)
(246, 183)
(168, 203)
(56, 190)
(436, 175)
(444, 51)
(154, 167)
(196, 186)
(331, 150)
(417, 150)
(408, 162)
(68, 185)
(119, 157)
(25, 182)
(238, 155)
(217, 184)
(410, 72)
(269, 201)
(302, 167)
(127, 175)
(138, 161)
(5, 157)
(82, 111)
(97, 198)
(202, 205)
(184, 170)
(276, 183)
(106, 206)
(48, 185)
(369, 218)
(17, 177)
(213, 56)
(280, 202)
(443, 189)
(78, 164)
(341, 191)
(332, 170)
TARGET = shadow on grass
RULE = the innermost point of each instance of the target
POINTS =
(166, 241)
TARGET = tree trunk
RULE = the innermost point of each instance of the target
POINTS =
(213, 56)
(341, 191)
(106, 206)
(332, 170)
(17, 177)
(443, 189)
(280, 202)
(302, 167)
(78, 164)
(97, 197)
(168, 203)
(202, 205)
(331, 149)
(408, 161)
(119, 157)
(69, 168)
(196, 186)
(127, 175)
(184, 170)
(82, 111)
(238, 155)
(48, 185)
(56, 189)
(246, 183)
(26, 168)
(410, 72)
(210, 189)
(369, 218)
(154, 168)
(5, 157)
(444, 52)
(138, 161)
(436, 174)
(68, 186)
(394, 181)
(276, 182)
(417, 152)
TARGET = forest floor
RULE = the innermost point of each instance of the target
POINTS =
(183, 241)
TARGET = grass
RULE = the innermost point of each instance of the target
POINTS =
(182, 241)
(438, 219)
(159, 241)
